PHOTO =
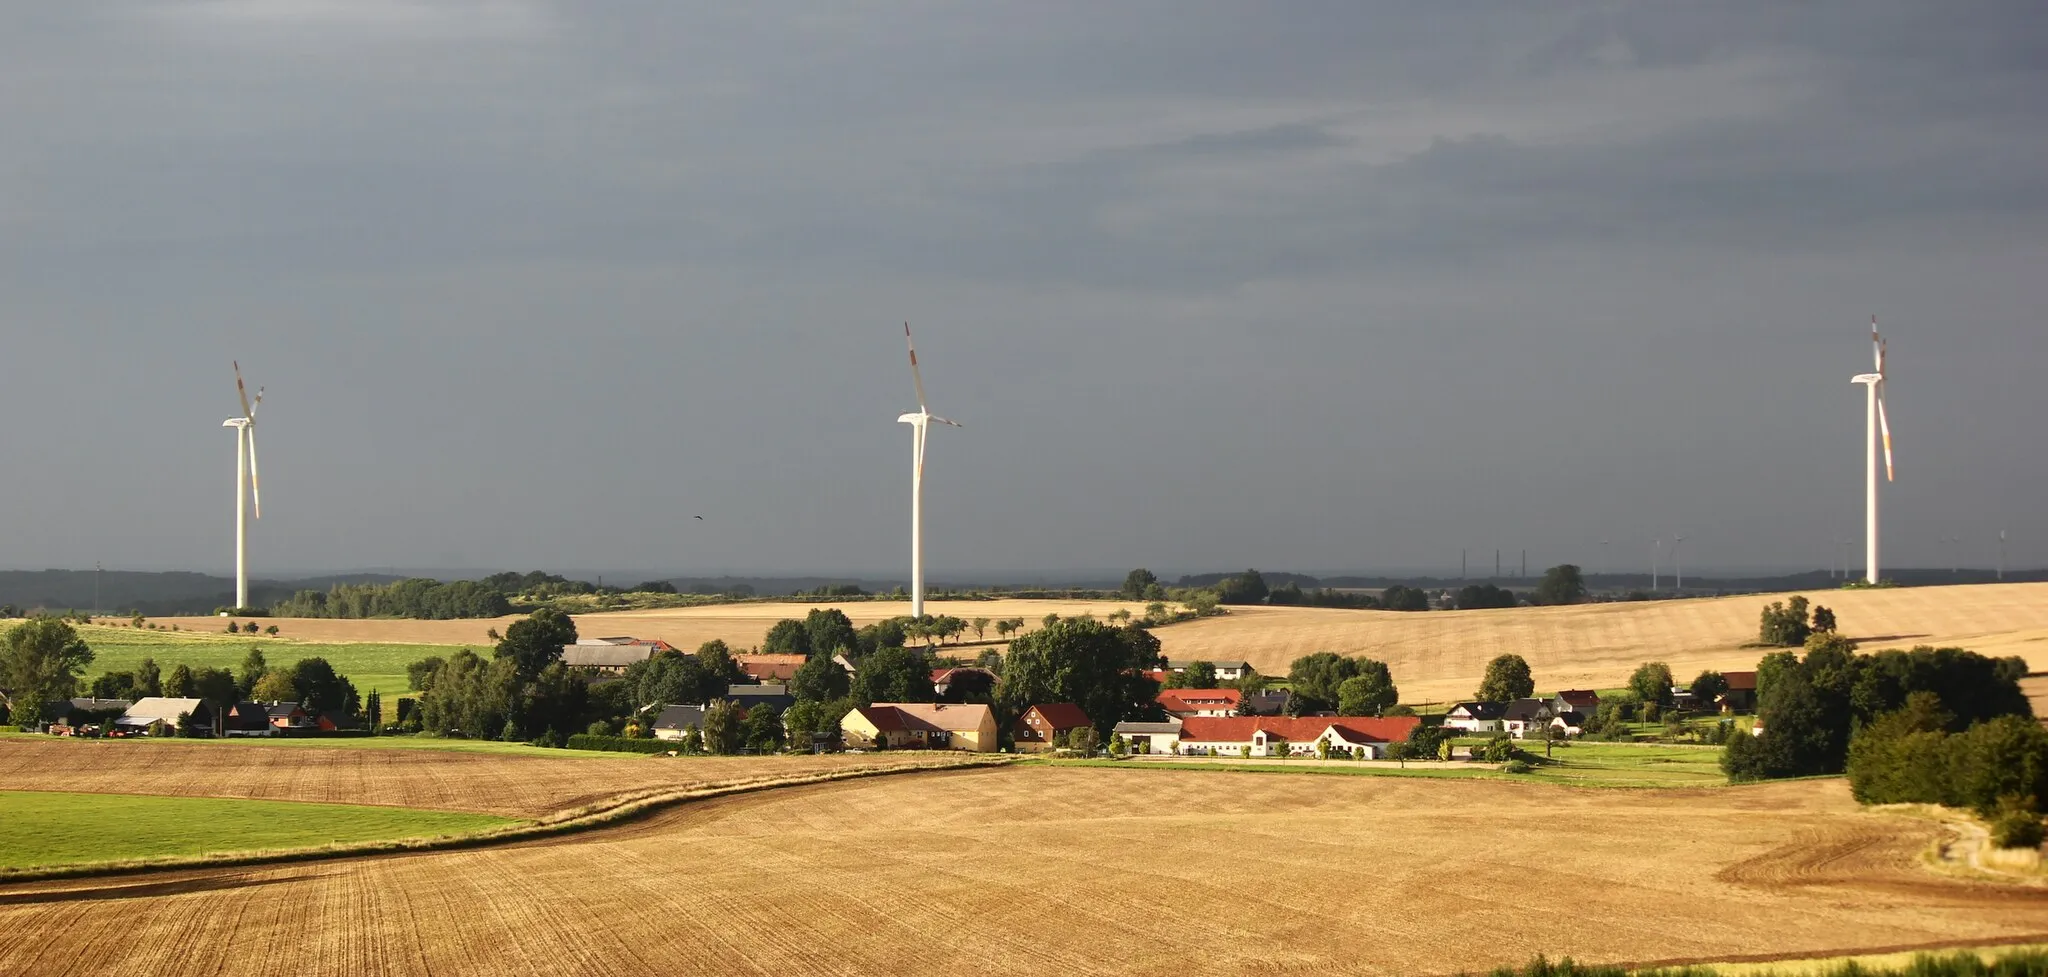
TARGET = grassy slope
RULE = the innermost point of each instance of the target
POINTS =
(368, 665)
(38, 829)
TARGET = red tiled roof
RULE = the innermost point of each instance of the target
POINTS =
(1239, 729)
(885, 719)
(1061, 715)
(1740, 681)
(1580, 697)
(1194, 700)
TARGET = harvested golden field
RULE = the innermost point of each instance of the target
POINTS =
(441, 780)
(1439, 656)
(1077, 871)
(739, 625)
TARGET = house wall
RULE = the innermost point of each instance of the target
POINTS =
(978, 740)
(1153, 742)
(1474, 725)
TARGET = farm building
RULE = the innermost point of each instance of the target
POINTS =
(1034, 731)
(1271, 735)
(1150, 737)
(1570, 722)
(963, 683)
(1189, 703)
(83, 710)
(1476, 717)
(1741, 694)
(745, 697)
(770, 668)
(611, 656)
(1525, 716)
(291, 715)
(151, 709)
(247, 719)
(921, 725)
(1272, 702)
(1227, 671)
(674, 721)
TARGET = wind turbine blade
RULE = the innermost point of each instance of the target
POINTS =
(1876, 345)
(1884, 428)
(942, 420)
(258, 402)
(255, 491)
(915, 377)
(240, 389)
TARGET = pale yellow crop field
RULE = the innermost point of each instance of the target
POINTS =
(1440, 655)
(1084, 871)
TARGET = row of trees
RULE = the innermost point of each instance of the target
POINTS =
(522, 692)
(1786, 625)
(1812, 706)
(1561, 584)
(422, 598)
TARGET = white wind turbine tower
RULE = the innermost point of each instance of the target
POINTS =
(245, 469)
(920, 426)
(1876, 426)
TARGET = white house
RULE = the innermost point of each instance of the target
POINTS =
(1265, 736)
(1475, 717)
(1190, 703)
(1525, 716)
(1226, 671)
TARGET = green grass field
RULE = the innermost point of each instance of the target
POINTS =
(369, 666)
(43, 829)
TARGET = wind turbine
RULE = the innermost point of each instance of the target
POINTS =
(1876, 426)
(1677, 570)
(245, 469)
(920, 425)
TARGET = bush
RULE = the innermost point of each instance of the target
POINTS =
(2017, 828)
(1518, 766)
(619, 744)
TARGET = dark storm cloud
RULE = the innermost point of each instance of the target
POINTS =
(1353, 286)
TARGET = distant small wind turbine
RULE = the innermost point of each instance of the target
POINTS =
(1876, 426)
(1677, 571)
(245, 468)
(920, 426)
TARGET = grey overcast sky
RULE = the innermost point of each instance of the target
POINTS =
(1297, 286)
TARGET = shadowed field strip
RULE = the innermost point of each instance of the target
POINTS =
(1029, 870)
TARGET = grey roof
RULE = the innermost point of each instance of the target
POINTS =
(1482, 710)
(281, 710)
(1523, 710)
(764, 688)
(605, 655)
(1170, 726)
(1270, 703)
(680, 717)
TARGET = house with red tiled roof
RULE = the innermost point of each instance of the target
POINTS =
(1034, 731)
(1273, 735)
(1741, 694)
(1190, 703)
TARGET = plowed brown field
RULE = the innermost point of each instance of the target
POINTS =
(441, 780)
(1069, 871)
(1441, 656)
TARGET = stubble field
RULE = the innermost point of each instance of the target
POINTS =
(1069, 870)
(1440, 656)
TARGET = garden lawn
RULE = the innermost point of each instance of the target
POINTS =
(370, 666)
(42, 829)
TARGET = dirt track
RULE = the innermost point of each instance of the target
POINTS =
(1083, 871)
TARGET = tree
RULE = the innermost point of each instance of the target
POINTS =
(1823, 620)
(1093, 665)
(1197, 675)
(1401, 597)
(1507, 677)
(373, 710)
(671, 677)
(148, 679)
(322, 689)
(819, 680)
(809, 721)
(722, 730)
(1368, 693)
(763, 728)
(1483, 595)
(787, 637)
(1562, 584)
(656, 587)
(1315, 679)
(1003, 629)
(1403, 751)
(1137, 582)
(419, 673)
(252, 670)
(719, 664)
(1783, 625)
(1248, 587)
(1652, 683)
(216, 686)
(40, 661)
(178, 684)
(276, 685)
(980, 626)
(892, 675)
(1708, 687)
(536, 641)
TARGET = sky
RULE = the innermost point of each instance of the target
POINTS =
(1315, 286)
